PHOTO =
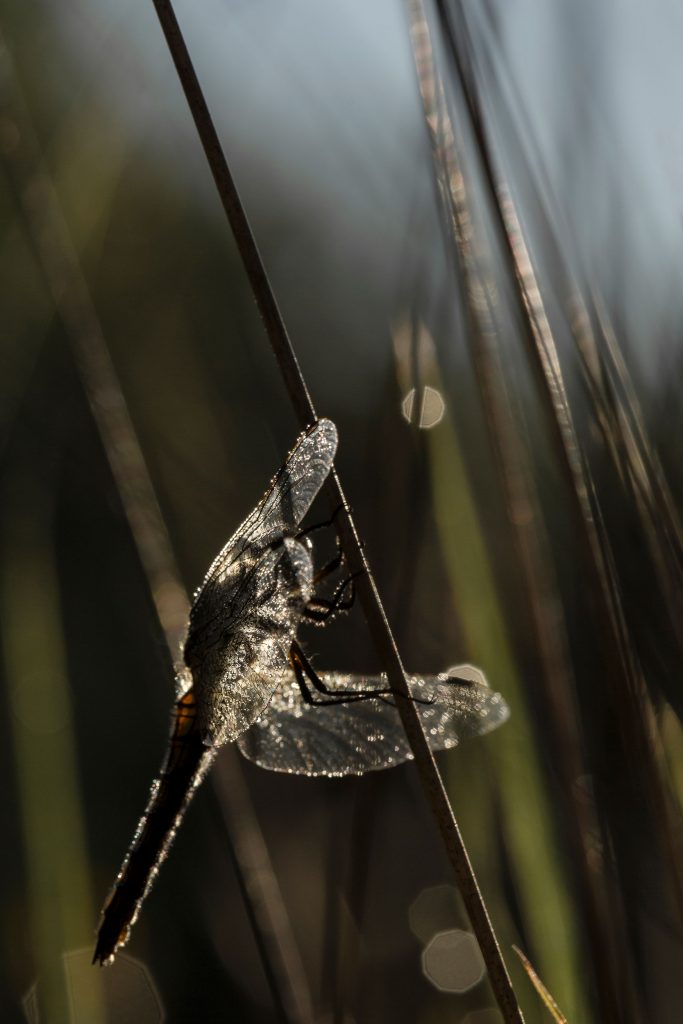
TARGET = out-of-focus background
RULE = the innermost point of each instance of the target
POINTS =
(471, 219)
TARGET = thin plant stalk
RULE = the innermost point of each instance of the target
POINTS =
(613, 400)
(638, 478)
(553, 1008)
(608, 383)
(540, 589)
(605, 371)
(631, 704)
(367, 591)
(58, 261)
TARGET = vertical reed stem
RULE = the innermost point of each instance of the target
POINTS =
(632, 706)
(521, 499)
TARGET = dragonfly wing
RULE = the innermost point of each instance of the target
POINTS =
(295, 486)
(241, 653)
(460, 704)
(281, 509)
(354, 738)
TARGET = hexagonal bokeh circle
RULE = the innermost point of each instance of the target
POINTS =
(435, 909)
(120, 994)
(425, 409)
(452, 961)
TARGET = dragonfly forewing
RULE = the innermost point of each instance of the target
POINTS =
(279, 513)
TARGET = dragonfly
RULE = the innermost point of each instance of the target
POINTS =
(246, 678)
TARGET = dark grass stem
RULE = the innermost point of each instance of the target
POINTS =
(631, 704)
(367, 591)
(637, 479)
(57, 259)
(607, 380)
(542, 604)
(605, 372)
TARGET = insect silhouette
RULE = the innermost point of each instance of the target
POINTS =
(245, 677)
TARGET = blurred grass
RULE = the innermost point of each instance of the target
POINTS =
(671, 733)
(61, 910)
(517, 772)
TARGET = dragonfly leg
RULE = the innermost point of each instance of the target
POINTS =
(305, 674)
(330, 568)
(320, 609)
(319, 526)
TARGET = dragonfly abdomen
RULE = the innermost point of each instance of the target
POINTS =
(186, 762)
